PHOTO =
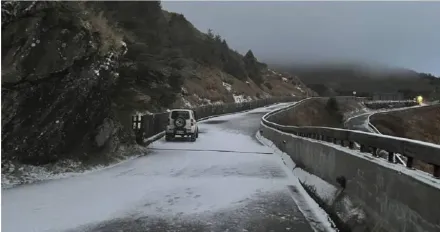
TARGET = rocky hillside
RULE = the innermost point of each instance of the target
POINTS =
(172, 64)
(73, 73)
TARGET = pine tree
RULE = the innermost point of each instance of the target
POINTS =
(210, 34)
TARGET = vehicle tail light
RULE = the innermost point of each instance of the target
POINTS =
(192, 122)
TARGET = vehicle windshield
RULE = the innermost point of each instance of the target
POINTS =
(180, 114)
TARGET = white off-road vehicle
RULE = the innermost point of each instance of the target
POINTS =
(182, 122)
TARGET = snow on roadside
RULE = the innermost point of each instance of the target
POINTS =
(323, 189)
(14, 175)
(328, 193)
(317, 217)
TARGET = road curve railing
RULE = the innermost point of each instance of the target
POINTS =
(369, 142)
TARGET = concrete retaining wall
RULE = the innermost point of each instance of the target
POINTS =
(395, 199)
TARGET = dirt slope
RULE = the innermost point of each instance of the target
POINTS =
(418, 123)
(321, 112)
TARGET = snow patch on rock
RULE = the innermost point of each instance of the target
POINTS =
(227, 86)
(241, 98)
(184, 91)
(186, 103)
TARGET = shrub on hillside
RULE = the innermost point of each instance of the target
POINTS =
(332, 105)
(333, 108)
(253, 67)
(268, 85)
(159, 41)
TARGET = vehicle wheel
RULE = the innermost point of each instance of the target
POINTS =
(168, 137)
(197, 134)
(193, 138)
(179, 122)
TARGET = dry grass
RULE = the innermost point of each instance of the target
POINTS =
(417, 123)
(312, 113)
(207, 83)
(284, 84)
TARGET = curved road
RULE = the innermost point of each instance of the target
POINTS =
(359, 122)
(225, 181)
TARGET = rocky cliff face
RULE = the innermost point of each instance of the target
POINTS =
(57, 76)
(73, 74)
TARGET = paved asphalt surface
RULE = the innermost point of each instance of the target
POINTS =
(358, 123)
(225, 181)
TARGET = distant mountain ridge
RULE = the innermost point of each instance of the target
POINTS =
(344, 78)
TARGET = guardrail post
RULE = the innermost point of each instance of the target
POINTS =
(390, 157)
(375, 152)
(362, 149)
(409, 162)
(138, 128)
(436, 172)
(351, 144)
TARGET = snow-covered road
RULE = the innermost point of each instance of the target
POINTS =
(225, 181)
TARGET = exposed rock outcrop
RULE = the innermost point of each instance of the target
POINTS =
(57, 75)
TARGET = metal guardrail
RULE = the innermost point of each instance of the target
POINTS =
(149, 125)
(369, 142)
(387, 104)
(390, 101)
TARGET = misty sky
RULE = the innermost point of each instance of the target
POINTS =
(401, 34)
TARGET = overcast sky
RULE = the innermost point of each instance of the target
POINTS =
(402, 34)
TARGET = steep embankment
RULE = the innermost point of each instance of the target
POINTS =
(422, 123)
(73, 74)
(328, 112)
